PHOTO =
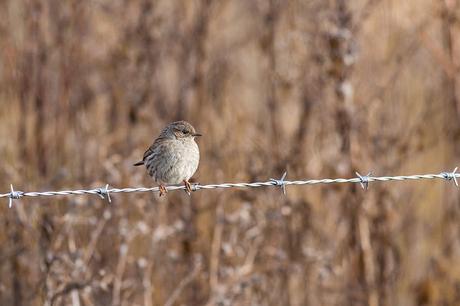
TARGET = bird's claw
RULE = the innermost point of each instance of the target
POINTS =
(163, 190)
(188, 187)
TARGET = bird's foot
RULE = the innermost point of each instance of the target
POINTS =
(188, 187)
(163, 190)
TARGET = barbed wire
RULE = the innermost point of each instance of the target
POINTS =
(363, 180)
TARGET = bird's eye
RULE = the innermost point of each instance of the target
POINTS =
(185, 132)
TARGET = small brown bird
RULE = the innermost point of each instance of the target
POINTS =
(173, 157)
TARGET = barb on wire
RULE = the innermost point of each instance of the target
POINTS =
(281, 182)
(195, 186)
(13, 195)
(363, 180)
(451, 176)
(104, 193)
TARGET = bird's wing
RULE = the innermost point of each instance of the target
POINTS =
(156, 144)
(160, 159)
(148, 152)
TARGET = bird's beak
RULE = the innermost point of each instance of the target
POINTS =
(196, 135)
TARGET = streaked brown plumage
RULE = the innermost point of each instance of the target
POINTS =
(174, 156)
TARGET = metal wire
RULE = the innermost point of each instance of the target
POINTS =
(364, 181)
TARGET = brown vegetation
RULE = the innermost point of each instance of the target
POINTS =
(321, 88)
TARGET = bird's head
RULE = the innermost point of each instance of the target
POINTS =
(180, 130)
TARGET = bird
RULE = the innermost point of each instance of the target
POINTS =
(173, 157)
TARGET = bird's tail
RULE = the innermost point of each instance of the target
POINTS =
(139, 163)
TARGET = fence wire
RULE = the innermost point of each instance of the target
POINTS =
(106, 191)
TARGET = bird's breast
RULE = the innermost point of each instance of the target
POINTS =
(179, 162)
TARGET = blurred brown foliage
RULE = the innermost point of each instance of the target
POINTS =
(322, 88)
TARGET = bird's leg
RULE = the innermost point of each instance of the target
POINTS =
(188, 187)
(163, 190)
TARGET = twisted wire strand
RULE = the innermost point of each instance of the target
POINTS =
(363, 180)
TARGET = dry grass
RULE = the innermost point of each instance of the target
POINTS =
(322, 88)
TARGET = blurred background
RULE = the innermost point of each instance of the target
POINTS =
(318, 88)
